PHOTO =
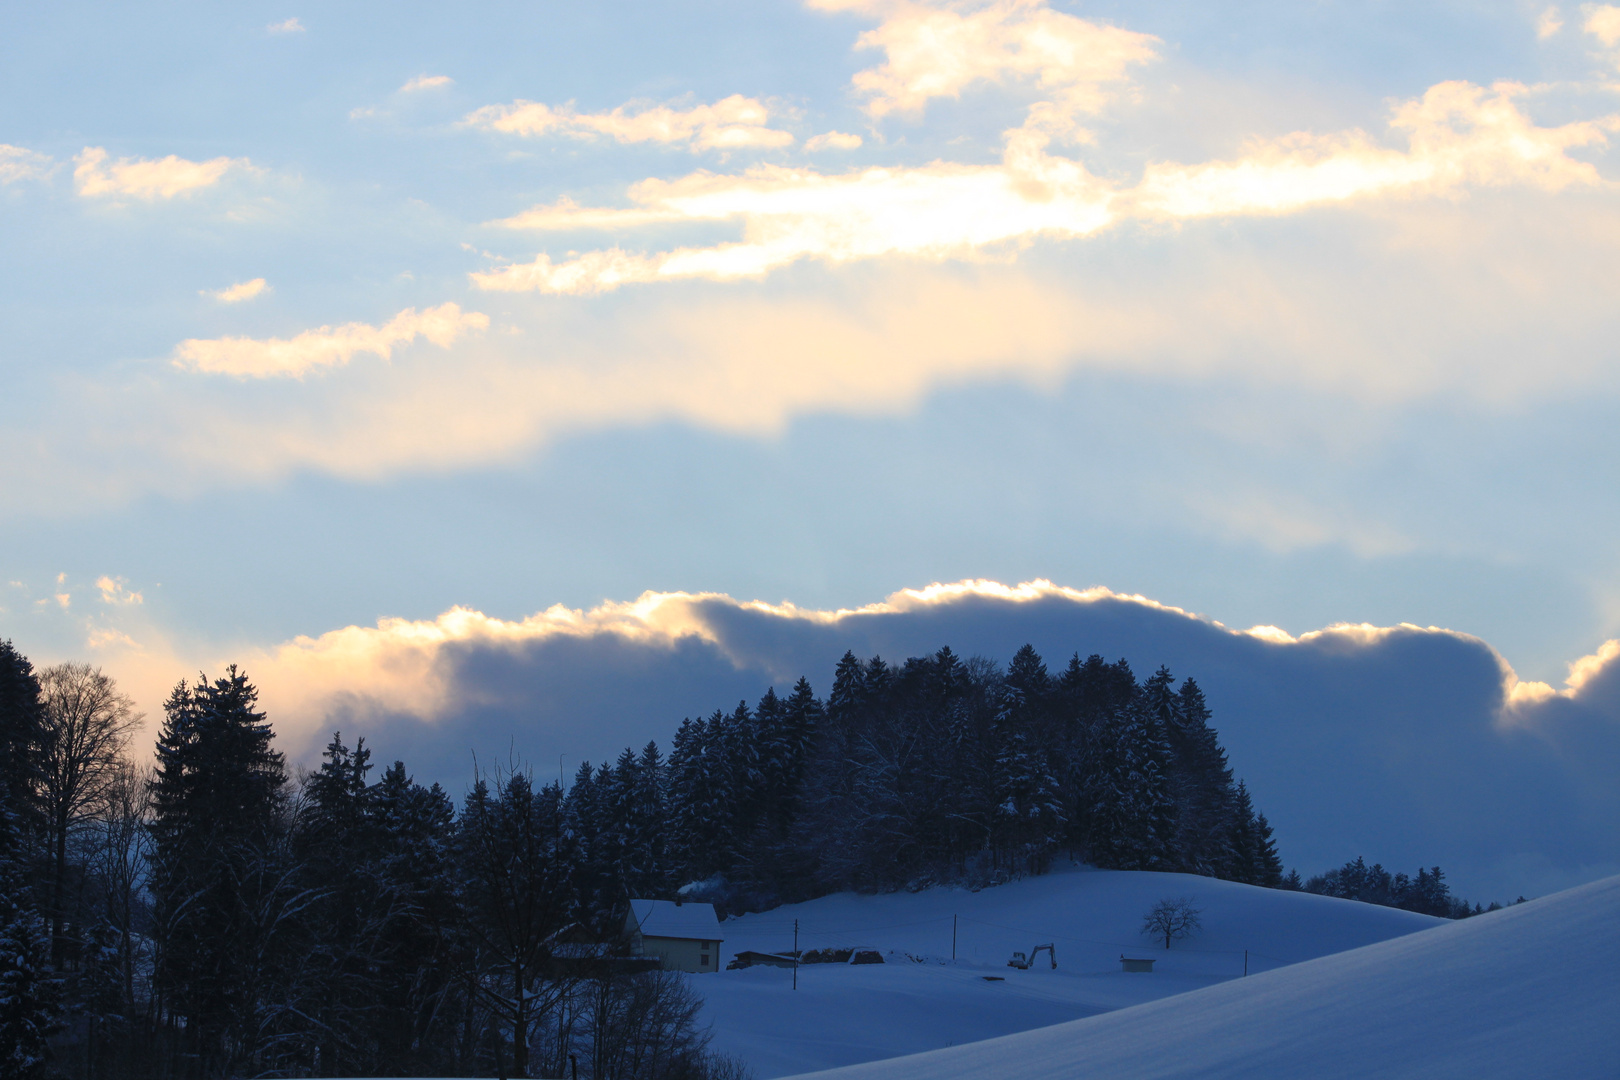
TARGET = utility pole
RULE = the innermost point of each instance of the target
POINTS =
(795, 954)
(953, 937)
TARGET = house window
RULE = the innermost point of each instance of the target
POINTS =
(704, 960)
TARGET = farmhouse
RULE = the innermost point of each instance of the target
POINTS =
(686, 937)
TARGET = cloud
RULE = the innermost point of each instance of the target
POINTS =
(426, 82)
(936, 211)
(732, 123)
(235, 294)
(327, 346)
(116, 592)
(934, 50)
(107, 637)
(1357, 739)
(1549, 22)
(833, 140)
(286, 26)
(1458, 135)
(147, 178)
(18, 163)
(1603, 23)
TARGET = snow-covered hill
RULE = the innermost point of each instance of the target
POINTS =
(1530, 991)
(841, 1015)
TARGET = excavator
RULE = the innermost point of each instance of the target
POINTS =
(1024, 963)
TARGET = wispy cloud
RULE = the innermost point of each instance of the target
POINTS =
(18, 163)
(833, 140)
(731, 123)
(235, 294)
(937, 50)
(1458, 135)
(286, 26)
(1549, 22)
(147, 178)
(937, 211)
(327, 346)
(426, 82)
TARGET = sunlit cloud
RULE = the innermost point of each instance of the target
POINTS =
(402, 666)
(731, 123)
(936, 211)
(327, 346)
(937, 50)
(1584, 675)
(235, 294)
(832, 140)
(1603, 23)
(146, 178)
(286, 26)
(1459, 135)
(116, 591)
(18, 163)
(1548, 23)
(426, 82)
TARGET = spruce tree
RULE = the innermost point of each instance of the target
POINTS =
(22, 735)
(1205, 795)
(27, 996)
(218, 806)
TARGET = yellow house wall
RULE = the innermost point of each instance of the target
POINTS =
(684, 954)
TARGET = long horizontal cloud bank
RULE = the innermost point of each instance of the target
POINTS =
(1405, 744)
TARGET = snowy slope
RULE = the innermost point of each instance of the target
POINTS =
(841, 1015)
(1530, 991)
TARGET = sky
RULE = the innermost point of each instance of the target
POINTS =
(433, 331)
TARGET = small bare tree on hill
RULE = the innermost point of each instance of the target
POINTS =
(1171, 919)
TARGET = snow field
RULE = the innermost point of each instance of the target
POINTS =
(922, 1000)
(1529, 991)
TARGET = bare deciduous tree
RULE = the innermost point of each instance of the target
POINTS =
(87, 725)
(121, 859)
(1171, 919)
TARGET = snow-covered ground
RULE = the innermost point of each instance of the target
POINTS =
(1529, 991)
(841, 1015)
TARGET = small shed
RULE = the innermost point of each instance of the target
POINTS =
(749, 957)
(686, 937)
(1131, 963)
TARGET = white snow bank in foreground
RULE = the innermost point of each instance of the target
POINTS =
(1529, 991)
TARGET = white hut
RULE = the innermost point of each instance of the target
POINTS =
(686, 937)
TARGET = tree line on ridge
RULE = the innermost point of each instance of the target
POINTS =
(211, 915)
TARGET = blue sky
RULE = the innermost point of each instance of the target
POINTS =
(1287, 315)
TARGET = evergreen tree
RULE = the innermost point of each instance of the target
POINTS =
(346, 923)
(27, 997)
(1201, 784)
(517, 859)
(219, 879)
(421, 948)
(22, 735)
(1253, 854)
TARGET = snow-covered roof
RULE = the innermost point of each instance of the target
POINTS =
(665, 918)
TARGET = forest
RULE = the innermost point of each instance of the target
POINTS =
(204, 912)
